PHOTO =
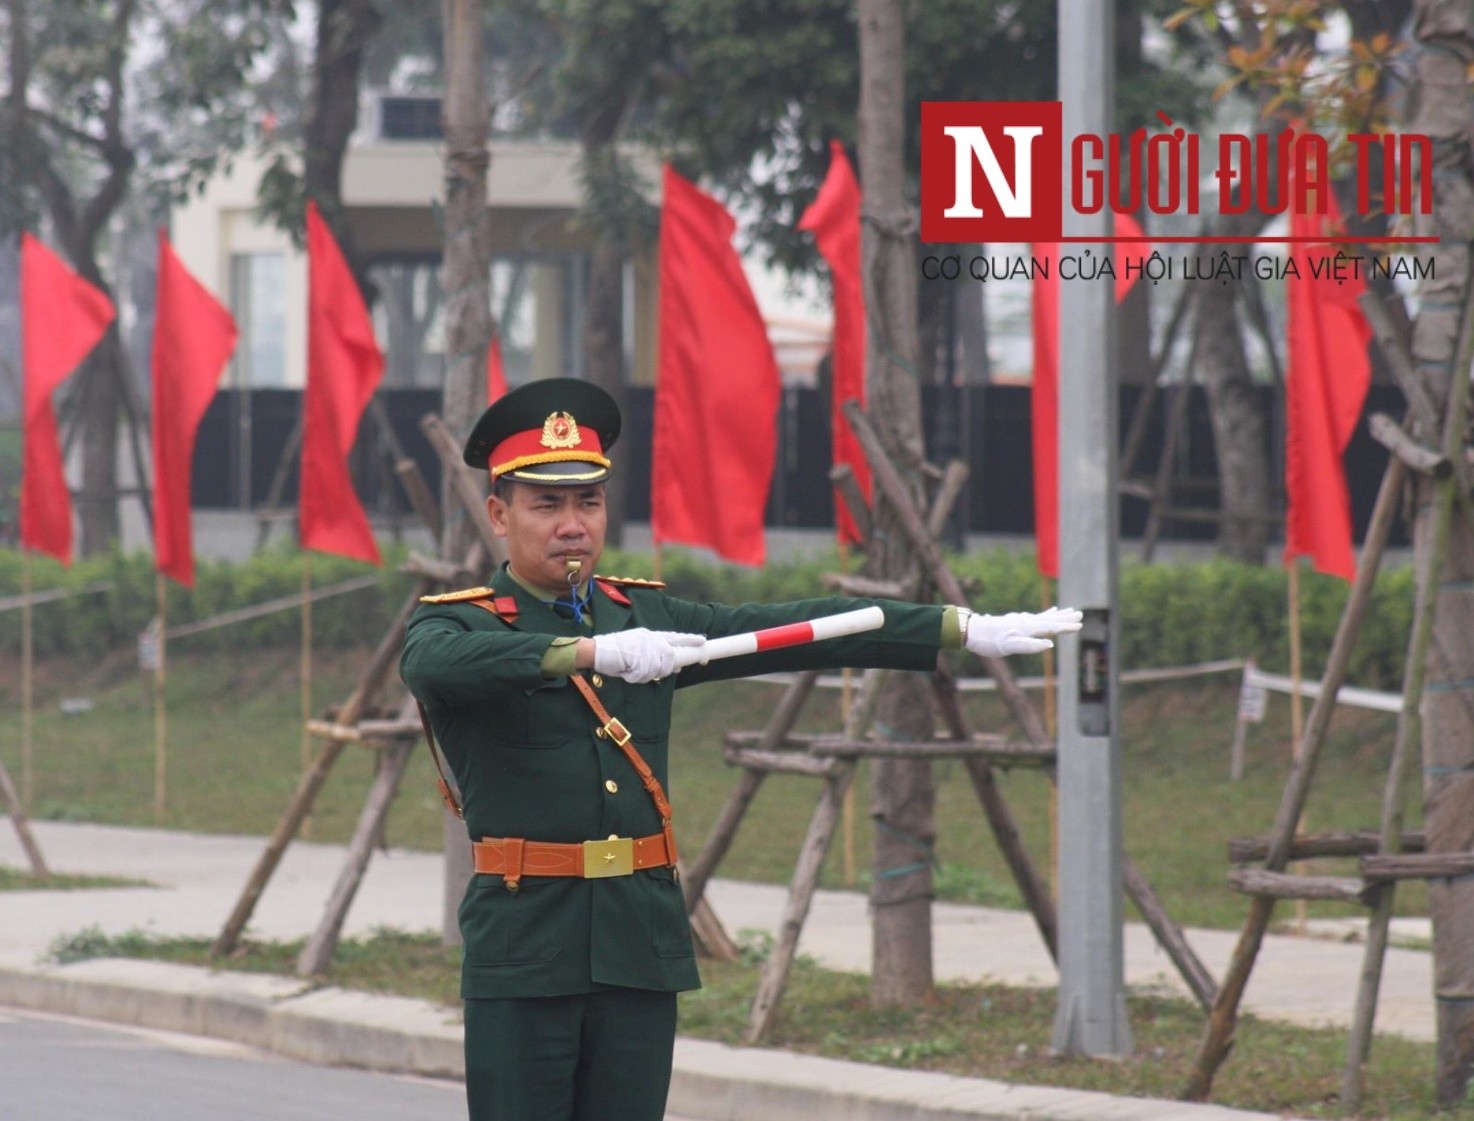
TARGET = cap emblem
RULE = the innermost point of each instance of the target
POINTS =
(560, 430)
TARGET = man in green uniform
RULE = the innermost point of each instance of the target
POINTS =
(550, 693)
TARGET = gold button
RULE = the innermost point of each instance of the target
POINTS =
(598, 681)
(611, 786)
(599, 731)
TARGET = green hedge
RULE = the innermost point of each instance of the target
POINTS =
(1174, 614)
(113, 619)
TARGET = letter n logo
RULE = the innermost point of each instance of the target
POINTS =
(991, 171)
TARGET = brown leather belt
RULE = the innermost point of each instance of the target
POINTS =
(512, 858)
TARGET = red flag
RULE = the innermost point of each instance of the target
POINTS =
(1328, 373)
(834, 219)
(344, 365)
(496, 373)
(62, 318)
(194, 336)
(1044, 394)
(716, 390)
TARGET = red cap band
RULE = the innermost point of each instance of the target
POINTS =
(559, 440)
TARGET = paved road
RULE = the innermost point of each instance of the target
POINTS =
(56, 1068)
(60, 1069)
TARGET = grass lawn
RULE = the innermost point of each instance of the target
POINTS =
(235, 752)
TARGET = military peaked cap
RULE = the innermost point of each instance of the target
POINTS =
(551, 432)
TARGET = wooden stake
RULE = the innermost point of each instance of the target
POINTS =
(1218, 1037)
(161, 682)
(317, 952)
(1409, 737)
(313, 778)
(800, 895)
(27, 683)
(11, 801)
(306, 675)
(1297, 716)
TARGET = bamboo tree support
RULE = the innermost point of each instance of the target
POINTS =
(1018, 704)
(838, 774)
(161, 688)
(367, 687)
(396, 749)
(1218, 1035)
(27, 684)
(312, 780)
(800, 896)
(724, 829)
(1409, 724)
(305, 675)
(1032, 887)
(1297, 709)
(22, 825)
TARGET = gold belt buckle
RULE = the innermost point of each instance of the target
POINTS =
(614, 857)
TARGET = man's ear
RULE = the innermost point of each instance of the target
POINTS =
(496, 512)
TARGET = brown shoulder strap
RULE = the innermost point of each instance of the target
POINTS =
(440, 779)
(617, 732)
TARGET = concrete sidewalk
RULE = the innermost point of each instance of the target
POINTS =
(196, 879)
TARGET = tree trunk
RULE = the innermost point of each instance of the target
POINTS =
(466, 288)
(1444, 32)
(344, 27)
(603, 342)
(1239, 435)
(903, 798)
(600, 124)
(466, 268)
(97, 504)
(903, 806)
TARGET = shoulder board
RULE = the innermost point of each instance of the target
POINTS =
(630, 581)
(462, 596)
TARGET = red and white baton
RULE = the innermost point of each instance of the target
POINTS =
(773, 638)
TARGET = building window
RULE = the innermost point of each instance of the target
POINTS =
(258, 302)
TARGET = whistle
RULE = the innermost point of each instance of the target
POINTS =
(574, 567)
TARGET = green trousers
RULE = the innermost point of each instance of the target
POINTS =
(602, 1056)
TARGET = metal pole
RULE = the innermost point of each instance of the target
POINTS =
(1091, 1018)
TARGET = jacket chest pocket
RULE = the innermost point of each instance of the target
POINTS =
(643, 709)
(550, 715)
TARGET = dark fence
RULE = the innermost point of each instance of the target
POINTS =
(244, 438)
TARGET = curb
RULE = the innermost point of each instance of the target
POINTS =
(710, 1081)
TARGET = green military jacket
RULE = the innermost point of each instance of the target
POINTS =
(523, 752)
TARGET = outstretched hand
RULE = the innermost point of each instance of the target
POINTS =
(640, 655)
(1019, 632)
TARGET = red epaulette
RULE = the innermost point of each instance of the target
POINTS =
(611, 586)
(503, 607)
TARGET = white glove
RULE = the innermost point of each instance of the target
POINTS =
(640, 655)
(1019, 632)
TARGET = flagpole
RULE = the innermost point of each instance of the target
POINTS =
(161, 680)
(306, 673)
(845, 701)
(27, 652)
(1297, 711)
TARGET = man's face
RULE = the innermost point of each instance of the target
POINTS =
(545, 527)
